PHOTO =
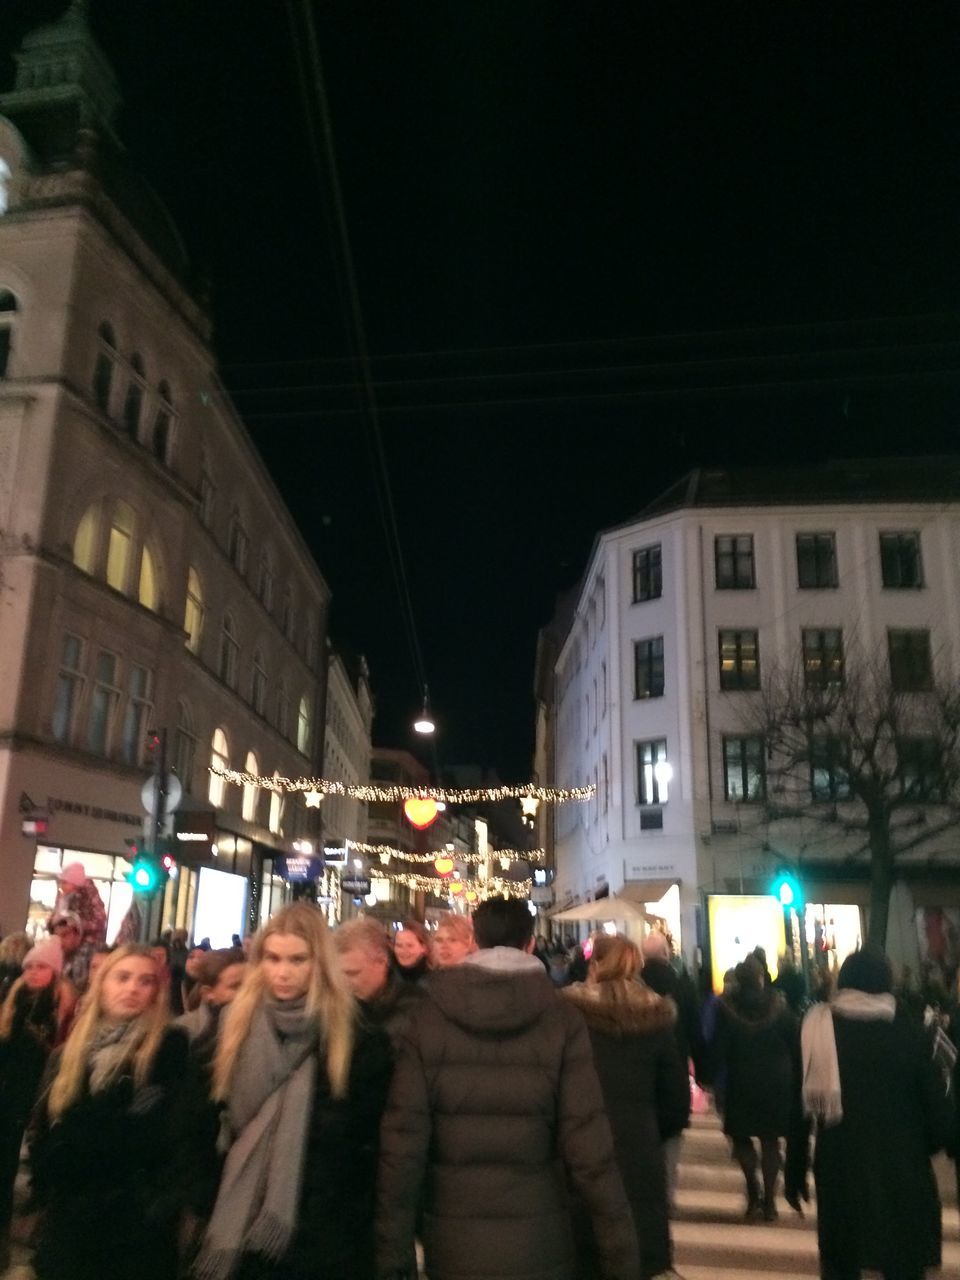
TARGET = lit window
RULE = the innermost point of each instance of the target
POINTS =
(148, 592)
(8, 318)
(86, 539)
(744, 769)
(219, 759)
(251, 792)
(739, 660)
(119, 547)
(303, 726)
(653, 772)
(822, 656)
(193, 613)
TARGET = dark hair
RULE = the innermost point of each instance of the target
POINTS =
(866, 970)
(214, 963)
(502, 922)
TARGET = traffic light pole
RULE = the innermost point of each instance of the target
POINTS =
(155, 899)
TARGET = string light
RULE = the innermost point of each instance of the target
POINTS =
(370, 793)
(439, 886)
(389, 851)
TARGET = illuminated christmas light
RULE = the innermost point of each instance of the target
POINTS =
(387, 851)
(368, 792)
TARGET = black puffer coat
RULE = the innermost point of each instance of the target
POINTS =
(758, 1043)
(495, 1104)
(647, 1094)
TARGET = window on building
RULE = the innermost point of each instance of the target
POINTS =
(920, 765)
(103, 704)
(136, 714)
(133, 402)
(229, 663)
(68, 689)
(120, 546)
(647, 574)
(739, 660)
(733, 553)
(816, 560)
(148, 590)
(648, 668)
(193, 612)
(829, 780)
(104, 368)
(911, 663)
(163, 425)
(8, 319)
(238, 544)
(219, 759)
(822, 656)
(744, 769)
(251, 792)
(258, 684)
(277, 806)
(900, 562)
(283, 710)
(86, 541)
(653, 772)
(208, 495)
(288, 618)
(265, 582)
(185, 746)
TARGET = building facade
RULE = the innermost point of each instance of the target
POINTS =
(682, 616)
(151, 577)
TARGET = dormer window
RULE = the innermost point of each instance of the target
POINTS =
(8, 318)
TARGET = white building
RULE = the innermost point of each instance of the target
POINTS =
(726, 576)
(150, 574)
(346, 757)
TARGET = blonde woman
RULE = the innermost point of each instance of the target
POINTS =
(106, 1132)
(303, 1084)
(453, 941)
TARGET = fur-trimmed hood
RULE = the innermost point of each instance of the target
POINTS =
(641, 1012)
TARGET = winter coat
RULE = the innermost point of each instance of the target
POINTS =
(877, 1202)
(495, 1104)
(107, 1175)
(24, 1054)
(391, 1009)
(757, 1044)
(85, 902)
(662, 978)
(646, 1090)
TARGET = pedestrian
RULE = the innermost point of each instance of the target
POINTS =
(411, 950)
(12, 950)
(453, 941)
(880, 1111)
(758, 1045)
(219, 976)
(66, 926)
(106, 1135)
(494, 1110)
(34, 1017)
(78, 894)
(303, 1082)
(366, 963)
(645, 1088)
(790, 984)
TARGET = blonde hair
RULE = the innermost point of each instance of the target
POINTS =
(63, 1003)
(614, 965)
(14, 947)
(68, 1082)
(328, 999)
(459, 927)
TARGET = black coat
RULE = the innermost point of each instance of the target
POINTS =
(877, 1200)
(107, 1176)
(661, 977)
(391, 1009)
(24, 1054)
(757, 1046)
(646, 1090)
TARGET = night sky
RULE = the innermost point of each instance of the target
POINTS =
(596, 245)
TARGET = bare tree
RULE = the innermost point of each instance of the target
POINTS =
(858, 768)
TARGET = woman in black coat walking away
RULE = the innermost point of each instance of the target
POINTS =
(304, 1085)
(757, 1045)
(645, 1087)
(106, 1140)
(881, 1110)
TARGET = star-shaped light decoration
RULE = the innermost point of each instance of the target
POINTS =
(312, 799)
(529, 806)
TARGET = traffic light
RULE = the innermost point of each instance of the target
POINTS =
(786, 888)
(147, 872)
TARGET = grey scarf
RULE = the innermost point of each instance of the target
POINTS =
(112, 1047)
(271, 1097)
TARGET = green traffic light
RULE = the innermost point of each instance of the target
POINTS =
(786, 889)
(786, 893)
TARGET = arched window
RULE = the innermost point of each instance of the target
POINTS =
(119, 547)
(148, 591)
(229, 652)
(276, 811)
(103, 369)
(193, 613)
(86, 540)
(219, 759)
(163, 425)
(8, 319)
(283, 710)
(303, 726)
(185, 746)
(258, 684)
(251, 793)
(133, 404)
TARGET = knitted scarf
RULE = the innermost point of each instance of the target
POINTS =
(112, 1048)
(821, 1071)
(269, 1107)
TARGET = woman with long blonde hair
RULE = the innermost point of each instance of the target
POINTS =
(106, 1133)
(303, 1083)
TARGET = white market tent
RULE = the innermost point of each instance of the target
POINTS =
(614, 908)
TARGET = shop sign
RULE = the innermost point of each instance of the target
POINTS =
(356, 886)
(56, 805)
(298, 868)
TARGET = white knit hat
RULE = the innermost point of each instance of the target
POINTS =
(48, 951)
(73, 873)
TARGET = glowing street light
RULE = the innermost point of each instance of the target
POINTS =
(424, 724)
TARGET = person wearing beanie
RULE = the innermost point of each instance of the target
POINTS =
(67, 928)
(880, 1111)
(78, 893)
(34, 1018)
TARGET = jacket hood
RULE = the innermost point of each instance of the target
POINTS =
(486, 998)
(639, 1011)
(755, 1008)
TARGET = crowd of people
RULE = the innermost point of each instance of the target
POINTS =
(319, 1103)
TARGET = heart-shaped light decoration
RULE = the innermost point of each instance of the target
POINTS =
(457, 887)
(420, 813)
(443, 866)
(471, 895)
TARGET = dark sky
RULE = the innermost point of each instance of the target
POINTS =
(595, 245)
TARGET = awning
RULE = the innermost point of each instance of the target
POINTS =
(614, 908)
(646, 890)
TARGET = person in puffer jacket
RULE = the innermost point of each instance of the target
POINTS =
(495, 1116)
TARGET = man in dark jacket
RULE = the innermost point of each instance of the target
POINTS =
(495, 1103)
(367, 964)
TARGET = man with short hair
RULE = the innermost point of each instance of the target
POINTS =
(366, 963)
(495, 1110)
